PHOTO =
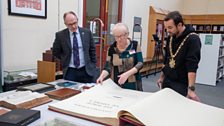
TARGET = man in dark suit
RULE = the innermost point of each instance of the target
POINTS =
(75, 47)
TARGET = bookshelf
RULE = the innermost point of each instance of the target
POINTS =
(220, 68)
(211, 23)
(211, 66)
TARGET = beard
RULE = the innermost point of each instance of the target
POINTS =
(174, 34)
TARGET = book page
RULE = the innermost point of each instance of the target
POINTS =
(168, 108)
(100, 101)
(22, 96)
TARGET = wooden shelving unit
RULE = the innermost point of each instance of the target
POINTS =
(151, 67)
(156, 16)
(156, 27)
(202, 23)
(206, 23)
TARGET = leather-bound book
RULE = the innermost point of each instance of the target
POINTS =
(19, 117)
(128, 121)
(3, 111)
(112, 105)
(47, 57)
(62, 93)
(40, 87)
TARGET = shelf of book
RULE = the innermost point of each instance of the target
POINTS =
(208, 28)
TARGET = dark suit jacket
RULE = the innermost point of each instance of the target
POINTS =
(62, 49)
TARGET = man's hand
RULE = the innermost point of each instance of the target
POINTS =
(160, 82)
(192, 95)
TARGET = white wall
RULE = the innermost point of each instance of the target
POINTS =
(24, 39)
(203, 7)
(65, 6)
(140, 8)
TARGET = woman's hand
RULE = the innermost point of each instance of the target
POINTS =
(122, 78)
(99, 80)
(101, 77)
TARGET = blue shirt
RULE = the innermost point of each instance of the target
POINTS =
(81, 52)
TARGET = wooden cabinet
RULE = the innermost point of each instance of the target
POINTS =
(156, 36)
(155, 27)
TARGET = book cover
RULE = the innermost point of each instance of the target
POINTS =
(3, 111)
(62, 93)
(40, 87)
(66, 84)
(127, 121)
(108, 102)
(19, 117)
(23, 99)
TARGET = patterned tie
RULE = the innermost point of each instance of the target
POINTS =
(75, 51)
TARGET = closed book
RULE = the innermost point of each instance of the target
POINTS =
(3, 111)
(19, 117)
(62, 93)
(48, 57)
(40, 87)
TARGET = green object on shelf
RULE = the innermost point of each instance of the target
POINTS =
(9, 77)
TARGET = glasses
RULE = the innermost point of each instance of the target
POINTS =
(120, 36)
(71, 24)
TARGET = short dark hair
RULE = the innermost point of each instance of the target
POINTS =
(70, 12)
(176, 16)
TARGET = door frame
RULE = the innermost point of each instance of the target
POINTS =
(1, 52)
(103, 12)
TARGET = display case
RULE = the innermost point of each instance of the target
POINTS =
(13, 79)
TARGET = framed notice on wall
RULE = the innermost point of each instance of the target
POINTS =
(29, 8)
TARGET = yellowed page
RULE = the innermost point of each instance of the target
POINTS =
(102, 101)
(168, 108)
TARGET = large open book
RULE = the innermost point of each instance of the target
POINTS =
(107, 102)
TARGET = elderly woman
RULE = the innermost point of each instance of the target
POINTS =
(124, 60)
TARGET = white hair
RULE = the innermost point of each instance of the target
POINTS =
(120, 27)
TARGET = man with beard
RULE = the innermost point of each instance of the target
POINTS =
(182, 55)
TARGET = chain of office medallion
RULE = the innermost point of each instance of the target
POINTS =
(180, 46)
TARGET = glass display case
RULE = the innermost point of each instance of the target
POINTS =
(12, 79)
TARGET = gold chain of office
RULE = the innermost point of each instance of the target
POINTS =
(172, 61)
